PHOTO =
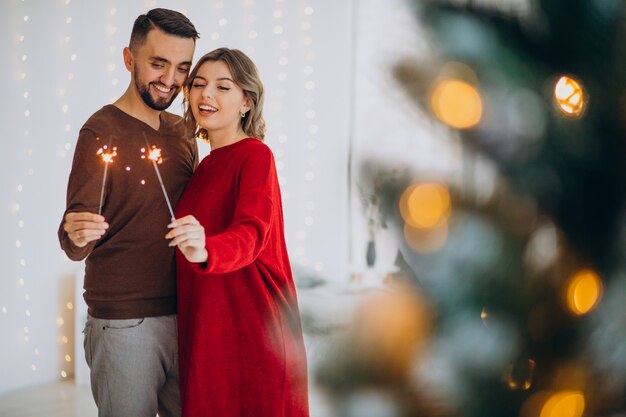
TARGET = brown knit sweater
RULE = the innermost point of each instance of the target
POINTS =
(130, 271)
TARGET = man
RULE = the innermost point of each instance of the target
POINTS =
(131, 334)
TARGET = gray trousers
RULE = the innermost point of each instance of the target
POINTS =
(134, 366)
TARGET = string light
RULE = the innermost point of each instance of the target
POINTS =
(111, 32)
(23, 79)
(309, 115)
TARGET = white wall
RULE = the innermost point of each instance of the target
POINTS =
(62, 60)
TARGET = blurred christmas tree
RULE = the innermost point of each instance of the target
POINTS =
(514, 304)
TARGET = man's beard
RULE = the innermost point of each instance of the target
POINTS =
(159, 104)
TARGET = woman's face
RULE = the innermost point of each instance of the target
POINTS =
(215, 100)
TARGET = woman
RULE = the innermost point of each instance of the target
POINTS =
(240, 340)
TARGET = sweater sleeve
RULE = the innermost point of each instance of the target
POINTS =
(241, 243)
(83, 188)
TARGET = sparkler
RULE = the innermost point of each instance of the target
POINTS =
(154, 154)
(107, 156)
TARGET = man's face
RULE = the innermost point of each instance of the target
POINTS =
(160, 67)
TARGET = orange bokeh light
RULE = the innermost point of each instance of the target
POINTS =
(554, 404)
(564, 404)
(456, 103)
(583, 292)
(425, 205)
(426, 241)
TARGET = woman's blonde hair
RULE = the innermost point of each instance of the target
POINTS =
(246, 76)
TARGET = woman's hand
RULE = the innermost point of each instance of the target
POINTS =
(188, 234)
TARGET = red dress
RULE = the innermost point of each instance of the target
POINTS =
(240, 339)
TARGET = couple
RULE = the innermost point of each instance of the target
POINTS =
(235, 348)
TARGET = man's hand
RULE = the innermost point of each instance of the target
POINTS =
(188, 234)
(84, 227)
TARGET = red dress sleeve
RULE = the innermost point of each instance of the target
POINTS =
(242, 242)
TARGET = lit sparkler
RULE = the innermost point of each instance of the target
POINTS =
(154, 154)
(107, 156)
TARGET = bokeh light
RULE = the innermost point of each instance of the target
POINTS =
(564, 404)
(425, 205)
(456, 103)
(569, 96)
(426, 241)
(567, 403)
(519, 375)
(425, 209)
(584, 291)
(391, 329)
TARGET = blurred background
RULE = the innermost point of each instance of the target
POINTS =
(453, 185)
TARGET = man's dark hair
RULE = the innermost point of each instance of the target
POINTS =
(169, 21)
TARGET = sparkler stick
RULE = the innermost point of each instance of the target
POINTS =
(154, 154)
(107, 156)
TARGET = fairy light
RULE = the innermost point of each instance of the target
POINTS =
(23, 57)
(70, 57)
(112, 25)
(221, 21)
(309, 113)
(569, 96)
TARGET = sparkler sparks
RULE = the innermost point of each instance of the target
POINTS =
(154, 154)
(107, 156)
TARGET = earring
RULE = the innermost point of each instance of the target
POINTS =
(243, 115)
